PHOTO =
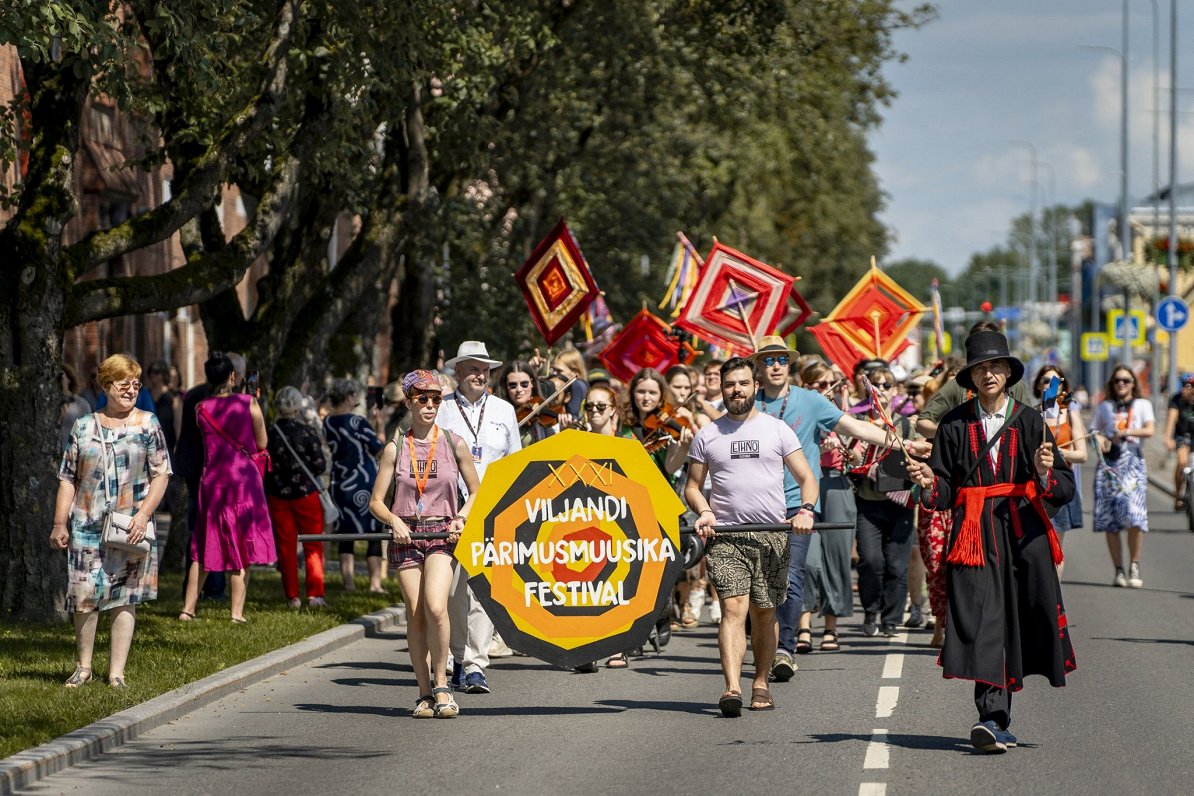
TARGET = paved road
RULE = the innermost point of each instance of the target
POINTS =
(875, 718)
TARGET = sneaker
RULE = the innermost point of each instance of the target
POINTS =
(985, 737)
(316, 602)
(870, 625)
(782, 667)
(457, 681)
(499, 648)
(1134, 579)
(1121, 580)
(587, 668)
(296, 603)
(916, 619)
(474, 683)
(1008, 739)
(888, 631)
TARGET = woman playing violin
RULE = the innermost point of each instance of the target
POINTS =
(650, 413)
(519, 385)
(683, 380)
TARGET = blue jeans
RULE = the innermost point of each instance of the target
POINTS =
(788, 612)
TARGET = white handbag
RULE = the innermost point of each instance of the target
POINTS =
(331, 512)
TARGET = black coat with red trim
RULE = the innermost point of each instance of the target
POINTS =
(1006, 617)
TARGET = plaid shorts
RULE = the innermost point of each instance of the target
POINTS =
(750, 563)
(405, 556)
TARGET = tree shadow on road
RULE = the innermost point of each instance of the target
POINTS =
(1065, 584)
(696, 708)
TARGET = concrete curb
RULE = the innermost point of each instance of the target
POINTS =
(27, 767)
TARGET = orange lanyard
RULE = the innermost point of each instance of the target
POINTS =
(421, 478)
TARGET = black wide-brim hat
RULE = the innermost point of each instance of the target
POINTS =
(985, 347)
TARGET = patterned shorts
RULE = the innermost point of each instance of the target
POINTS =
(415, 554)
(750, 563)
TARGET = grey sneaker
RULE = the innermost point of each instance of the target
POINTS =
(1134, 579)
(783, 667)
(1121, 580)
(916, 618)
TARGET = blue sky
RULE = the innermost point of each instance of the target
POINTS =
(985, 74)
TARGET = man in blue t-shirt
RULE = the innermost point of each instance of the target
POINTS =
(812, 416)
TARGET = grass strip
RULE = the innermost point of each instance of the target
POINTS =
(35, 659)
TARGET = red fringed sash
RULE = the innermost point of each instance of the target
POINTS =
(967, 550)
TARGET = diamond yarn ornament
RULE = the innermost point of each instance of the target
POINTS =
(645, 342)
(556, 283)
(737, 300)
(876, 316)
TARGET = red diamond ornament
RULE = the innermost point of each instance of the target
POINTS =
(644, 343)
(736, 301)
(876, 316)
(556, 283)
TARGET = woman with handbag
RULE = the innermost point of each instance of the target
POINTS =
(233, 518)
(298, 502)
(113, 474)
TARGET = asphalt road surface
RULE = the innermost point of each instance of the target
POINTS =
(874, 718)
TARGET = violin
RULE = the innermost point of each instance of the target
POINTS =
(538, 411)
(662, 426)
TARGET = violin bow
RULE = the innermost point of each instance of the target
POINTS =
(545, 402)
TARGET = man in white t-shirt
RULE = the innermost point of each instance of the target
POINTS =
(745, 453)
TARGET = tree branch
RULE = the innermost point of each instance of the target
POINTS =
(201, 278)
(203, 177)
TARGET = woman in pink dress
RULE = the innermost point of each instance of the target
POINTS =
(233, 518)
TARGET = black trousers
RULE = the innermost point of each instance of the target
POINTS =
(885, 533)
(994, 704)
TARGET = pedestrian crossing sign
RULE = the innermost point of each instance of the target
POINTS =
(1095, 347)
(1127, 327)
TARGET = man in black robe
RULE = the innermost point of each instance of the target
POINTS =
(1006, 618)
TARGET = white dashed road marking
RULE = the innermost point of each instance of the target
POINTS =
(878, 753)
(872, 789)
(885, 705)
(893, 666)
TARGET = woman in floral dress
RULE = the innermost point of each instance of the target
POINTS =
(115, 460)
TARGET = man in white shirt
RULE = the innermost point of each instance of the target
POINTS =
(488, 426)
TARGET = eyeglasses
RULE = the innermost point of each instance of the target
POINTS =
(517, 385)
(822, 385)
(882, 385)
(124, 386)
(772, 361)
(423, 400)
(598, 408)
(1124, 381)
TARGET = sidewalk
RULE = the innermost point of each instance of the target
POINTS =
(24, 768)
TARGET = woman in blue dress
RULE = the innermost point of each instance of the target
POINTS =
(354, 446)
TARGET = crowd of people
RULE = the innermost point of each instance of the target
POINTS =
(937, 485)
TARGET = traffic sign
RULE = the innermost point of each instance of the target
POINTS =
(1172, 313)
(1095, 346)
(1128, 328)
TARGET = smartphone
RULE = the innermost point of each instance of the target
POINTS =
(375, 397)
(252, 384)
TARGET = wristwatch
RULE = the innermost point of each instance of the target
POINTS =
(809, 507)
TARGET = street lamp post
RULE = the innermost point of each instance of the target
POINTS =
(1173, 183)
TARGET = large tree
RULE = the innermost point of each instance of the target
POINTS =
(462, 129)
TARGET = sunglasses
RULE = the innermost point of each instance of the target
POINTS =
(822, 385)
(517, 385)
(599, 408)
(1124, 381)
(772, 361)
(122, 386)
(882, 385)
(424, 399)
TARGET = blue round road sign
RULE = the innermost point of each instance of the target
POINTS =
(1172, 313)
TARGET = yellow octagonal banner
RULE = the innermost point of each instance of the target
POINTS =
(572, 546)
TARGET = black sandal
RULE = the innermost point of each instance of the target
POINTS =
(804, 641)
(829, 641)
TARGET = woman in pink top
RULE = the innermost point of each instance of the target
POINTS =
(232, 528)
(424, 464)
